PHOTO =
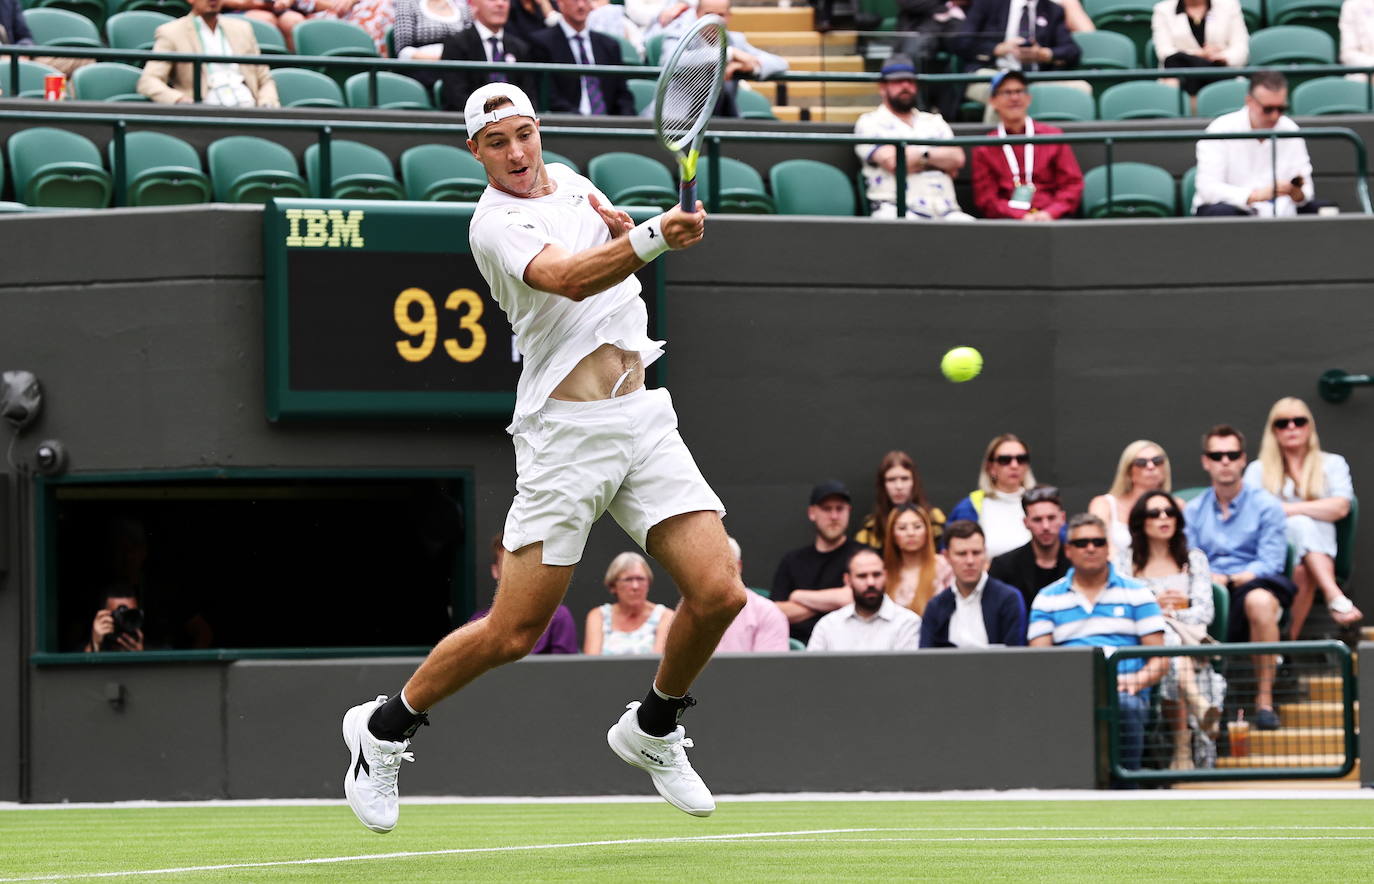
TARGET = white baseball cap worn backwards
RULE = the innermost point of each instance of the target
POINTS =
(477, 120)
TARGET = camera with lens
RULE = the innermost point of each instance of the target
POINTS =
(127, 621)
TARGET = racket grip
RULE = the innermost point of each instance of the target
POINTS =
(689, 195)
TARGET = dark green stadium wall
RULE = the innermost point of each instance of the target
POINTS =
(799, 350)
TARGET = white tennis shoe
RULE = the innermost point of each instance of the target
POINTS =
(370, 783)
(665, 758)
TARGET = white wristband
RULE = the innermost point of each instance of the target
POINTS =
(647, 239)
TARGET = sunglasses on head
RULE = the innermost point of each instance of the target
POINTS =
(1143, 462)
(1283, 423)
(1155, 513)
(1008, 459)
(1227, 455)
(1041, 494)
(1085, 542)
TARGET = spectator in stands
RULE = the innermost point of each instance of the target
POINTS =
(421, 28)
(374, 16)
(1143, 467)
(1181, 581)
(1028, 35)
(809, 581)
(613, 20)
(996, 504)
(915, 571)
(872, 621)
(1357, 36)
(744, 61)
(15, 31)
(631, 624)
(1032, 182)
(205, 31)
(1241, 529)
(761, 626)
(926, 27)
(1200, 34)
(280, 14)
(118, 625)
(1315, 489)
(898, 482)
(571, 42)
(529, 17)
(928, 167)
(1096, 606)
(487, 40)
(1239, 177)
(978, 610)
(1041, 561)
(561, 635)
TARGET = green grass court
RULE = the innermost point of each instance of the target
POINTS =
(1145, 840)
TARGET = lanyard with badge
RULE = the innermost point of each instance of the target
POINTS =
(1022, 193)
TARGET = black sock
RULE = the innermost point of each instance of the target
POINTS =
(394, 722)
(659, 717)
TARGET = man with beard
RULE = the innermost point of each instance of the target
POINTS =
(872, 622)
(1042, 561)
(929, 187)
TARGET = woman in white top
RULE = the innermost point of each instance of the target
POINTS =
(421, 27)
(1199, 33)
(996, 505)
(1357, 36)
(1316, 491)
(631, 624)
(1143, 467)
(915, 572)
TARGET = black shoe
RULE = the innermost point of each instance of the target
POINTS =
(1266, 720)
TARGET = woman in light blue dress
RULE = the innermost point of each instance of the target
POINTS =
(1316, 491)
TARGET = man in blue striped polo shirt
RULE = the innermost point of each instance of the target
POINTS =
(1094, 605)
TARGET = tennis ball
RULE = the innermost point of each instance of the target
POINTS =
(962, 364)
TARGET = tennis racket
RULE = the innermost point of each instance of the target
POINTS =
(688, 87)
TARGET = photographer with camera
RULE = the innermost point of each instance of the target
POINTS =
(118, 625)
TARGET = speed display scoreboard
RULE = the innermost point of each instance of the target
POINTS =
(377, 309)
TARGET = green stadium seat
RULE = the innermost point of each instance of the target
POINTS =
(554, 157)
(882, 12)
(301, 87)
(270, 39)
(809, 187)
(741, 188)
(358, 171)
(1324, 15)
(642, 91)
(54, 167)
(1130, 18)
(1187, 189)
(1221, 97)
(394, 92)
(1149, 56)
(134, 29)
(628, 53)
(1139, 190)
(442, 172)
(247, 169)
(1140, 100)
(61, 27)
(1058, 104)
(1291, 44)
(93, 10)
(1330, 95)
(324, 36)
(31, 74)
(653, 50)
(162, 170)
(1345, 542)
(1221, 612)
(1106, 50)
(1253, 13)
(106, 81)
(754, 106)
(174, 8)
(629, 179)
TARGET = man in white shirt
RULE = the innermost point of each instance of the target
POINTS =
(873, 622)
(929, 187)
(978, 610)
(1241, 177)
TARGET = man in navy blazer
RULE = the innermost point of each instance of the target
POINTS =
(570, 42)
(485, 40)
(977, 611)
(1039, 40)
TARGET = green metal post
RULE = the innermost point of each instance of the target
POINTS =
(121, 164)
(326, 163)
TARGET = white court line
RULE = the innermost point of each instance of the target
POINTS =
(751, 837)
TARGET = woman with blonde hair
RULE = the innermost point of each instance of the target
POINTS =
(631, 624)
(915, 572)
(1316, 491)
(1143, 467)
(898, 482)
(996, 505)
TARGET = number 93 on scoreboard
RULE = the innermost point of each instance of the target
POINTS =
(377, 309)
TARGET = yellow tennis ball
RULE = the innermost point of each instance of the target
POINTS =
(962, 364)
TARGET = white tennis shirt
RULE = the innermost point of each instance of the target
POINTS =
(552, 332)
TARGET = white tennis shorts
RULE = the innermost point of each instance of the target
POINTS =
(576, 460)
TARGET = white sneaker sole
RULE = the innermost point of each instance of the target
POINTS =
(627, 755)
(355, 748)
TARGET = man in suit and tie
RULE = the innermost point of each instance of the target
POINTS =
(487, 40)
(206, 32)
(1022, 35)
(572, 42)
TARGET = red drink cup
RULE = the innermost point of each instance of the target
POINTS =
(54, 87)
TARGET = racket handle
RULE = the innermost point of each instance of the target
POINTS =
(689, 195)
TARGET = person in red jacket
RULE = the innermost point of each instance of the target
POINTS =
(1032, 182)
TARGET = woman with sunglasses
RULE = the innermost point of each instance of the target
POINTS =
(1181, 580)
(1143, 467)
(996, 505)
(898, 482)
(915, 572)
(1316, 491)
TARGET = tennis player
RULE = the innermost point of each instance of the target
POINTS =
(588, 438)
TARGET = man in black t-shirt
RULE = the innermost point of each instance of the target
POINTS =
(809, 581)
(1032, 567)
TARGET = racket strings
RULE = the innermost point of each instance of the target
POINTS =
(692, 87)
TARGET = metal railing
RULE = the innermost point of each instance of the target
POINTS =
(1337, 384)
(1203, 725)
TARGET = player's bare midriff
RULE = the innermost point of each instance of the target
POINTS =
(598, 375)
